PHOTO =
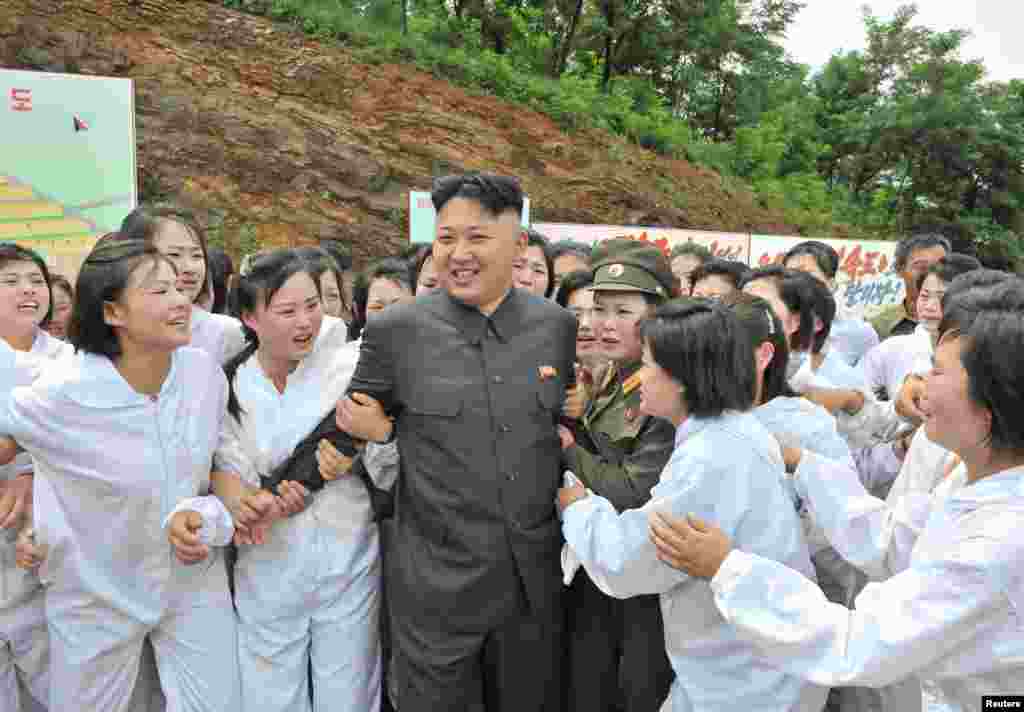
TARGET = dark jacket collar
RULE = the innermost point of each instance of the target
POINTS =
(505, 322)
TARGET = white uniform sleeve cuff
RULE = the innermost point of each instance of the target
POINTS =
(736, 565)
(218, 527)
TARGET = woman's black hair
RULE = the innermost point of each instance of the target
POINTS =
(824, 308)
(221, 268)
(257, 286)
(991, 357)
(805, 297)
(572, 282)
(825, 256)
(949, 268)
(973, 292)
(393, 268)
(323, 263)
(762, 325)
(968, 281)
(12, 252)
(103, 278)
(702, 345)
(730, 270)
(340, 252)
(144, 223)
(422, 255)
(535, 239)
(59, 281)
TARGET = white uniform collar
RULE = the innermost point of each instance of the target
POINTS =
(97, 384)
(1005, 485)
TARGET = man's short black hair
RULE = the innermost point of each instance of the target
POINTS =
(571, 247)
(949, 268)
(691, 248)
(730, 270)
(825, 256)
(702, 346)
(572, 282)
(495, 194)
(103, 278)
(13, 252)
(991, 357)
(923, 241)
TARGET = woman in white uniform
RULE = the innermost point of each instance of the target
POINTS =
(950, 613)
(699, 373)
(850, 335)
(122, 433)
(307, 588)
(178, 237)
(806, 309)
(25, 309)
(888, 364)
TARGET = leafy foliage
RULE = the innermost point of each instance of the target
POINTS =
(901, 136)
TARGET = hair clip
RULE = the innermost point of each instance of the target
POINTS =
(771, 322)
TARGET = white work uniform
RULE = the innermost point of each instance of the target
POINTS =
(852, 337)
(24, 643)
(797, 422)
(311, 592)
(111, 463)
(219, 335)
(950, 616)
(835, 372)
(922, 469)
(726, 470)
(887, 365)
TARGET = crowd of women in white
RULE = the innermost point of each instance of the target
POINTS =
(136, 456)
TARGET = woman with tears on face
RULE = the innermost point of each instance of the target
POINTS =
(306, 585)
(948, 609)
(122, 436)
(25, 311)
(615, 647)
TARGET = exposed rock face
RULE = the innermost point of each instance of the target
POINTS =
(279, 139)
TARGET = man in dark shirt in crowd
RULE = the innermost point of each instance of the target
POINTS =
(474, 376)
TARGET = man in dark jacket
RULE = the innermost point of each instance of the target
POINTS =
(474, 376)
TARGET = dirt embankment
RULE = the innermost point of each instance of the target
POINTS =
(276, 138)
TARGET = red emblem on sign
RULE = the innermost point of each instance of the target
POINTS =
(21, 99)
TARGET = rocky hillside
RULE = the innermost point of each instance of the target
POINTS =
(275, 138)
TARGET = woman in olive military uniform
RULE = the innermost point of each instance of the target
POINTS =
(616, 650)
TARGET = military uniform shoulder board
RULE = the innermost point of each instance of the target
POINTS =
(631, 384)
